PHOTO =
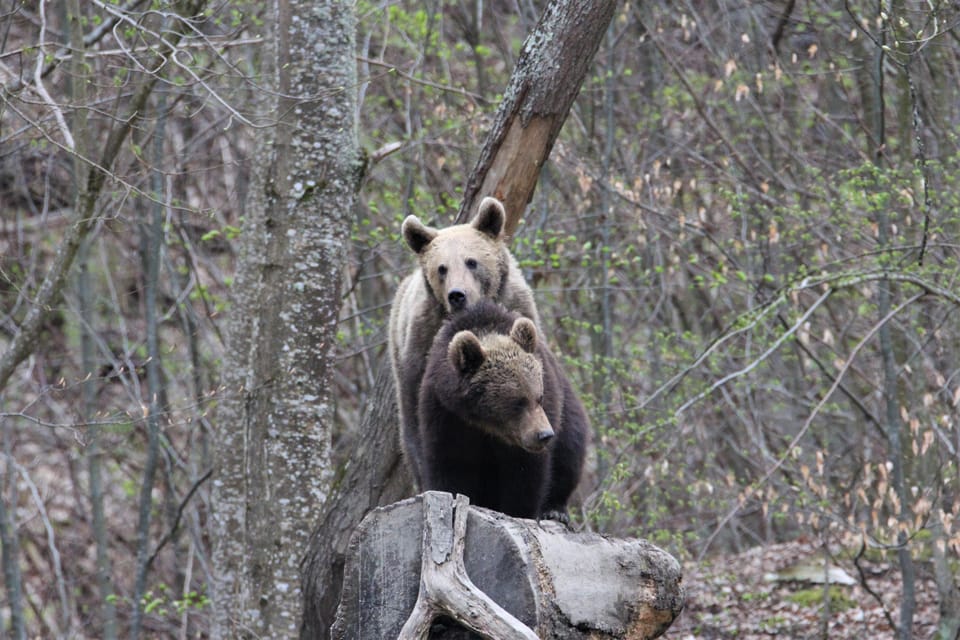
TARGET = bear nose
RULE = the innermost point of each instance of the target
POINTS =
(457, 299)
(545, 436)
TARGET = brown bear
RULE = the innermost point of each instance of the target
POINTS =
(499, 421)
(458, 266)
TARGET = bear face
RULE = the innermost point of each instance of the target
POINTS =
(464, 263)
(501, 379)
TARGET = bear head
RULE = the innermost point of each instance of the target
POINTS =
(502, 382)
(463, 263)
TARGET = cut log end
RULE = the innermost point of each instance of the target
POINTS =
(499, 577)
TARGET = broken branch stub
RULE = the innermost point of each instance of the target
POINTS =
(445, 587)
(430, 559)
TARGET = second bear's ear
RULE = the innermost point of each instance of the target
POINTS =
(491, 216)
(417, 234)
(466, 353)
(524, 333)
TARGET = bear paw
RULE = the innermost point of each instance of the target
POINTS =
(557, 515)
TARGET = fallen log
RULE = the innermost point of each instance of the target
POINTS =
(434, 567)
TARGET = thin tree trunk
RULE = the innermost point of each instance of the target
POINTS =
(273, 433)
(78, 91)
(892, 422)
(151, 242)
(602, 341)
(948, 627)
(9, 540)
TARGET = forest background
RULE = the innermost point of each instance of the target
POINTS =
(744, 246)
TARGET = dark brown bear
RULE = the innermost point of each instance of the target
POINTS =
(498, 419)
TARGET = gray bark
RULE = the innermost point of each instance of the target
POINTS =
(404, 559)
(375, 475)
(274, 424)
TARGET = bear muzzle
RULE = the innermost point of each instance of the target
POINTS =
(457, 299)
(538, 441)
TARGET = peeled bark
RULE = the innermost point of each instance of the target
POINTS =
(553, 63)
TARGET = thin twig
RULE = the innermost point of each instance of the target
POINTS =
(42, 90)
(756, 361)
(426, 83)
(176, 520)
(868, 589)
(51, 542)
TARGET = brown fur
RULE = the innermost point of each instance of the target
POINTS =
(498, 419)
(508, 372)
(470, 261)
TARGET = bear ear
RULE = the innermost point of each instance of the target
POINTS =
(524, 333)
(417, 234)
(491, 216)
(466, 353)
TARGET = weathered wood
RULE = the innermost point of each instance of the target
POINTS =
(445, 587)
(551, 67)
(555, 582)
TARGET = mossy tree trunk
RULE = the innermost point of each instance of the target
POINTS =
(273, 426)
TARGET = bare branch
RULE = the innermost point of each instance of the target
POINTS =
(42, 90)
(806, 425)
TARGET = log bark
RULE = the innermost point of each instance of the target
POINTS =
(400, 578)
(552, 65)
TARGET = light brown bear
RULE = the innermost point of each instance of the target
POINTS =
(458, 266)
(499, 421)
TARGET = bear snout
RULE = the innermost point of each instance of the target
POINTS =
(537, 441)
(457, 299)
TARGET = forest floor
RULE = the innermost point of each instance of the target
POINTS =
(740, 597)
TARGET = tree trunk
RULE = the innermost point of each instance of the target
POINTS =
(552, 65)
(374, 476)
(553, 62)
(274, 423)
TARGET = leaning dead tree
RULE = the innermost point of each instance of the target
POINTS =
(552, 65)
(481, 572)
(545, 81)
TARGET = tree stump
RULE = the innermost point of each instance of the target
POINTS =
(434, 567)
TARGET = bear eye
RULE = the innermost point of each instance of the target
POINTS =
(442, 270)
(520, 404)
(471, 264)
